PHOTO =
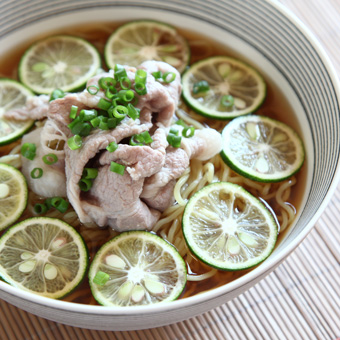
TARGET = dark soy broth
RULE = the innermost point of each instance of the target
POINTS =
(275, 106)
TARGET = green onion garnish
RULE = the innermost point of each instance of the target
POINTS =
(40, 208)
(125, 83)
(101, 278)
(174, 130)
(95, 122)
(75, 142)
(104, 104)
(87, 115)
(90, 173)
(227, 101)
(60, 204)
(50, 159)
(48, 203)
(81, 128)
(117, 168)
(113, 146)
(201, 86)
(28, 150)
(140, 76)
(85, 184)
(73, 123)
(73, 112)
(56, 94)
(157, 75)
(133, 112)
(173, 140)
(120, 72)
(92, 89)
(107, 83)
(135, 143)
(120, 111)
(110, 93)
(188, 132)
(126, 95)
(112, 123)
(36, 173)
(144, 137)
(169, 77)
(140, 88)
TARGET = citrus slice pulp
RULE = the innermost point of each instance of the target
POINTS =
(232, 88)
(139, 41)
(262, 148)
(12, 95)
(43, 255)
(13, 195)
(140, 269)
(228, 228)
(58, 62)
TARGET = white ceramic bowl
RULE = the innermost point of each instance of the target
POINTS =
(284, 51)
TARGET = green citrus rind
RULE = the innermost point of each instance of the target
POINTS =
(14, 203)
(48, 242)
(60, 61)
(155, 253)
(222, 234)
(237, 153)
(145, 48)
(208, 103)
(13, 95)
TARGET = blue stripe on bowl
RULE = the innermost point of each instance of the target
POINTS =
(265, 28)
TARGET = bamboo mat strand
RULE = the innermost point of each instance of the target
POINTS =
(299, 300)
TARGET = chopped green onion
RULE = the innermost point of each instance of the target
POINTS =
(36, 173)
(82, 129)
(140, 76)
(40, 208)
(107, 83)
(181, 123)
(120, 111)
(113, 146)
(227, 101)
(101, 278)
(169, 77)
(56, 94)
(144, 137)
(75, 142)
(135, 143)
(87, 115)
(50, 159)
(48, 203)
(117, 168)
(201, 86)
(103, 125)
(60, 204)
(173, 140)
(103, 104)
(90, 173)
(120, 72)
(28, 150)
(189, 129)
(133, 112)
(85, 184)
(73, 112)
(73, 123)
(140, 88)
(95, 121)
(92, 89)
(111, 93)
(126, 95)
(112, 123)
(174, 130)
(125, 83)
(157, 75)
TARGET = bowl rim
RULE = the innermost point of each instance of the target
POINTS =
(261, 271)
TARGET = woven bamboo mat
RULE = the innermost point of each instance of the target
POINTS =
(296, 301)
